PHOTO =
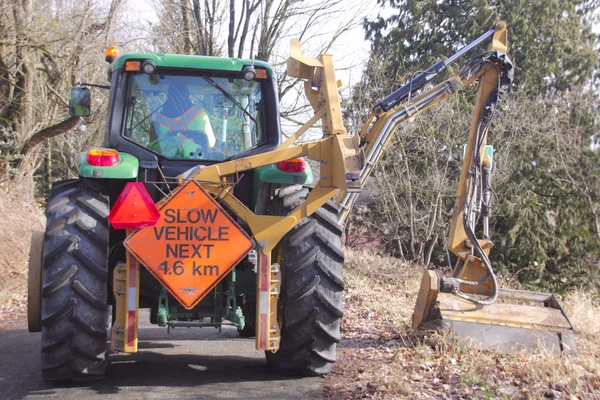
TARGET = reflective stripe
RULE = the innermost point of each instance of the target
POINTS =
(131, 301)
(264, 273)
(194, 115)
(264, 301)
(263, 334)
(181, 123)
(130, 328)
(164, 121)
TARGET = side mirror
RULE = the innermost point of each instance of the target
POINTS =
(79, 101)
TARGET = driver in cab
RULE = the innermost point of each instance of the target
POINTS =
(183, 129)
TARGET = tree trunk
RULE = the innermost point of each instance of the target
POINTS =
(410, 205)
(593, 211)
(400, 249)
(211, 23)
(49, 166)
(20, 111)
(246, 26)
(427, 260)
(114, 6)
(187, 40)
(231, 32)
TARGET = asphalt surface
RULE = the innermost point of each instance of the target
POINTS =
(188, 363)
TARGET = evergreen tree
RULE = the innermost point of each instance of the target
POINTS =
(546, 228)
(551, 41)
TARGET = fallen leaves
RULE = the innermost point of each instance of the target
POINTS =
(20, 217)
(380, 357)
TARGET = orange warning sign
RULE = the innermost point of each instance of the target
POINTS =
(194, 244)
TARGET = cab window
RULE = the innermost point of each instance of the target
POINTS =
(194, 117)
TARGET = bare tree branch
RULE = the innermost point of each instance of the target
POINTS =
(49, 132)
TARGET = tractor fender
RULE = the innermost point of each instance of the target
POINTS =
(271, 174)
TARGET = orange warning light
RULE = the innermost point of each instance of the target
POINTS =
(133, 65)
(112, 53)
(194, 245)
(101, 157)
(261, 73)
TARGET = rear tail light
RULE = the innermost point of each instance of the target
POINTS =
(134, 208)
(100, 157)
(293, 165)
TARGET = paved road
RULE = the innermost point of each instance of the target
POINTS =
(185, 364)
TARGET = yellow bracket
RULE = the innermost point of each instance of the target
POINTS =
(268, 231)
(126, 283)
(268, 330)
(320, 86)
(340, 161)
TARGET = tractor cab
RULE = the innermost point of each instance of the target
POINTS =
(183, 117)
(168, 114)
(191, 108)
(177, 111)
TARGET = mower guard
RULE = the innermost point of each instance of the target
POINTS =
(519, 320)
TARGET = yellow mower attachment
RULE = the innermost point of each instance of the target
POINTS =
(518, 320)
(470, 304)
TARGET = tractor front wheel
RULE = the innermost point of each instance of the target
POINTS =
(311, 299)
(74, 282)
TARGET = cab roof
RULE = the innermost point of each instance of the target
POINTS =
(192, 62)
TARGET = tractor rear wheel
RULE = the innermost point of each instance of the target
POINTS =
(310, 305)
(74, 282)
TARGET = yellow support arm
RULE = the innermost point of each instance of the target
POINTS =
(469, 266)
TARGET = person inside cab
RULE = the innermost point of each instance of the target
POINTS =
(182, 128)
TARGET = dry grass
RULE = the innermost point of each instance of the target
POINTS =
(381, 357)
(20, 216)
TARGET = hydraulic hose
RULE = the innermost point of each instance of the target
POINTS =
(477, 193)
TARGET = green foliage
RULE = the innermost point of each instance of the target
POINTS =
(547, 179)
(547, 176)
(551, 41)
(546, 228)
(417, 179)
(9, 152)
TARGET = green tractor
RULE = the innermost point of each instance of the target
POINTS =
(197, 210)
(169, 118)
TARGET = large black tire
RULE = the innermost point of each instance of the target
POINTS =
(312, 287)
(74, 282)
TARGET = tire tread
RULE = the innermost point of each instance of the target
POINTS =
(74, 282)
(313, 283)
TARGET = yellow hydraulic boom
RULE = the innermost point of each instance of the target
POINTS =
(466, 302)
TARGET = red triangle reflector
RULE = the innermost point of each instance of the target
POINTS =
(134, 208)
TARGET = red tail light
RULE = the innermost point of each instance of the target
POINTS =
(134, 208)
(100, 157)
(293, 165)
